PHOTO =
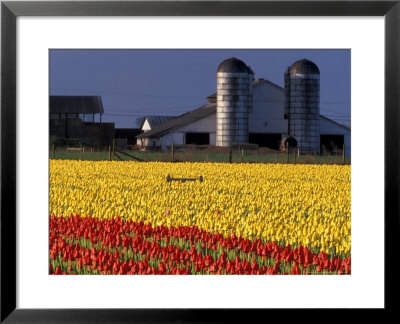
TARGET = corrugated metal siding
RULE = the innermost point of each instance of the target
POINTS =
(234, 100)
(182, 120)
(303, 103)
(76, 105)
(155, 121)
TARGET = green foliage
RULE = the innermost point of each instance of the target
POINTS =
(62, 141)
(199, 156)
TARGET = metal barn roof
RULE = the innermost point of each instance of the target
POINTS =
(155, 121)
(336, 123)
(256, 83)
(76, 105)
(265, 81)
(182, 120)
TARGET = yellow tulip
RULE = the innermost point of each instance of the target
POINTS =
(298, 204)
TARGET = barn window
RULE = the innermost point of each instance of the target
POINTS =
(271, 141)
(198, 138)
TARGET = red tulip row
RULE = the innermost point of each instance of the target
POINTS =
(92, 246)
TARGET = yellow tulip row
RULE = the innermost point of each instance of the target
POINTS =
(291, 204)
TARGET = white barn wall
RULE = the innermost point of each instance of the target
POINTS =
(267, 114)
(145, 142)
(203, 125)
(213, 138)
(177, 137)
(146, 126)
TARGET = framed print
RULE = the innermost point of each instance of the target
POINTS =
(35, 34)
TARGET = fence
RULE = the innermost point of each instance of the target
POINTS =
(237, 153)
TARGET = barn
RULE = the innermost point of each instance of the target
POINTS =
(79, 117)
(257, 111)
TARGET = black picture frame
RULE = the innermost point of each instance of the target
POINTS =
(10, 10)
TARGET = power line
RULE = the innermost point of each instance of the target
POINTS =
(162, 109)
(122, 113)
(131, 94)
(143, 115)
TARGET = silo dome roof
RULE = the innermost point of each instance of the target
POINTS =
(233, 65)
(304, 66)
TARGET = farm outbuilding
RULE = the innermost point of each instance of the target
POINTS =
(79, 117)
(195, 127)
(75, 106)
(245, 110)
(151, 122)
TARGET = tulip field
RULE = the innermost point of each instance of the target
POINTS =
(124, 217)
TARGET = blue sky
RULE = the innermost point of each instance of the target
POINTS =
(134, 83)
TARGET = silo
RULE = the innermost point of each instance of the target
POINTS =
(302, 101)
(287, 97)
(234, 100)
